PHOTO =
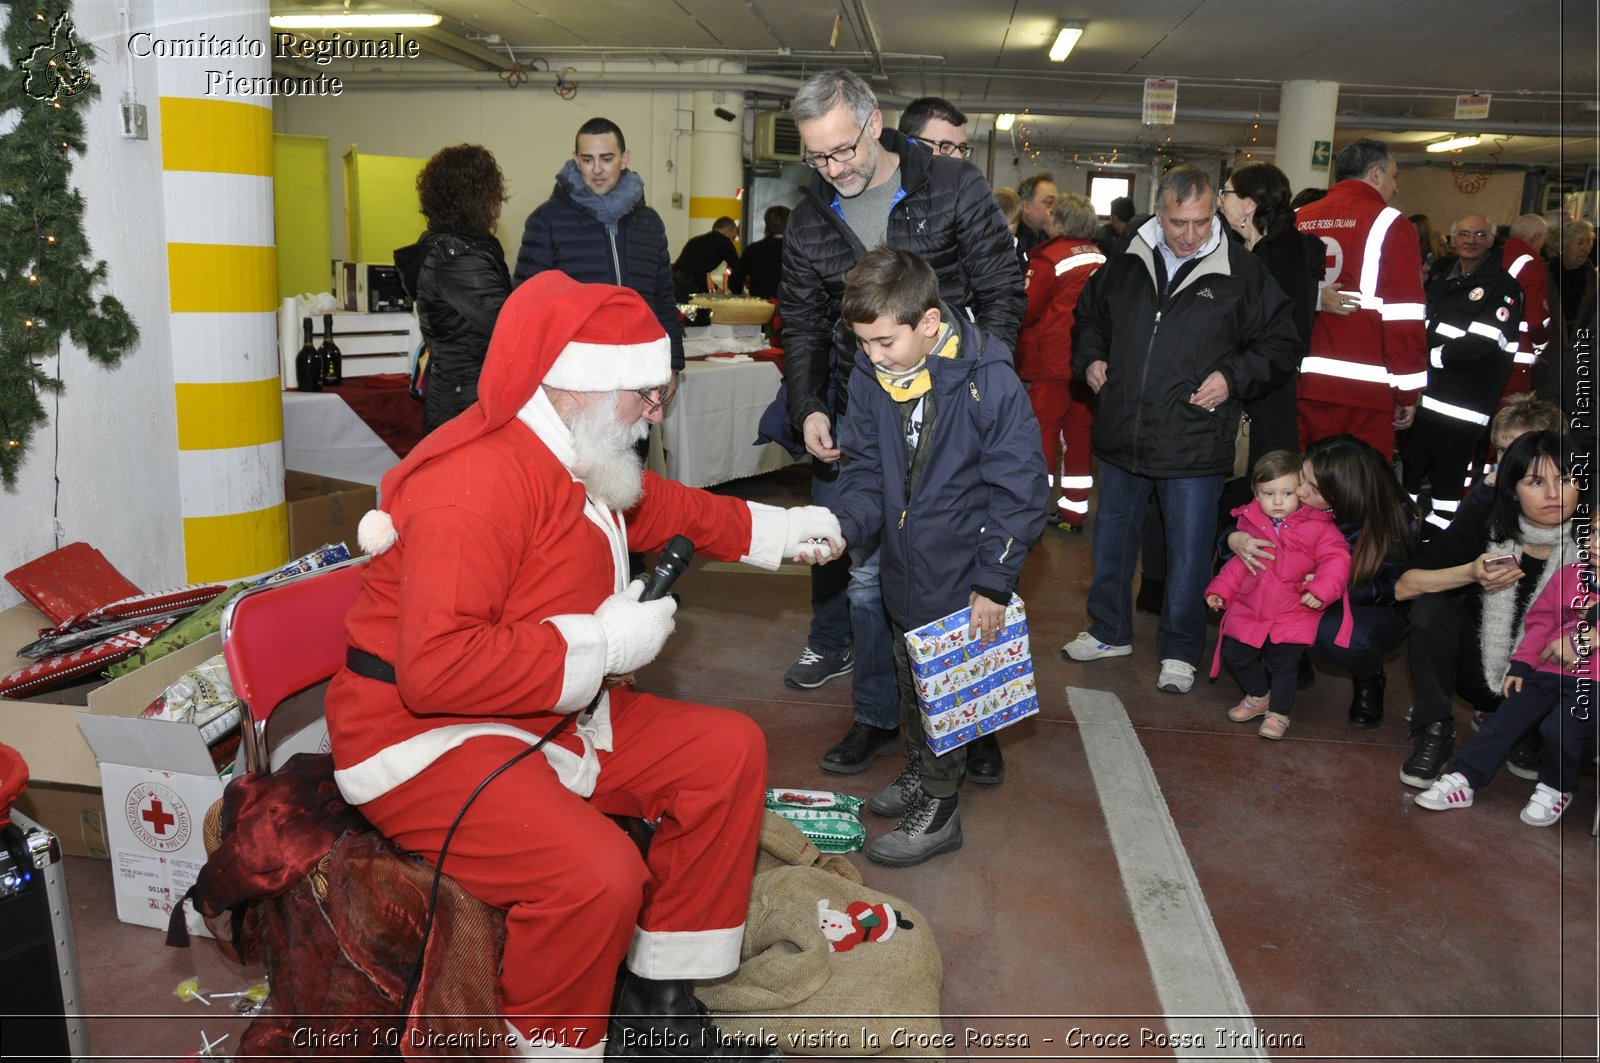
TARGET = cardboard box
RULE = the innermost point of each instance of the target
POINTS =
(965, 689)
(63, 792)
(157, 782)
(324, 510)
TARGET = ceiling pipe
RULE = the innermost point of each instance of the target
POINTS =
(774, 85)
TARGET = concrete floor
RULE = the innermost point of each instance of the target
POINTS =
(1287, 891)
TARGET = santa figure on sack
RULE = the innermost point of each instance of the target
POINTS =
(496, 603)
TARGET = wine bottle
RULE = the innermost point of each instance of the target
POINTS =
(332, 359)
(307, 365)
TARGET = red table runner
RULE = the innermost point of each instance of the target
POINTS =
(384, 402)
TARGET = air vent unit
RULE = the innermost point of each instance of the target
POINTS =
(777, 138)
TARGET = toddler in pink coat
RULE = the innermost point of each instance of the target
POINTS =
(1272, 615)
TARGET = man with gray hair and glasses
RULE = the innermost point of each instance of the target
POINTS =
(872, 187)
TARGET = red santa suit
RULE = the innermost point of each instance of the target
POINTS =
(1361, 366)
(1527, 265)
(485, 604)
(1057, 272)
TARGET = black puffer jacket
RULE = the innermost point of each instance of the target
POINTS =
(564, 233)
(459, 283)
(946, 213)
(1225, 314)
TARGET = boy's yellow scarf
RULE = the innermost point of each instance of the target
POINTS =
(914, 383)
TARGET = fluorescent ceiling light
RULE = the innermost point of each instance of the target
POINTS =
(1003, 123)
(1455, 142)
(343, 21)
(1070, 32)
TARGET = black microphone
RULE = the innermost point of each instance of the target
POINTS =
(671, 563)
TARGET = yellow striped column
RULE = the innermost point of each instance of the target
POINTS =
(216, 160)
(716, 159)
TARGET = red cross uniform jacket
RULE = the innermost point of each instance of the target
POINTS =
(1057, 271)
(1375, 358)
(1527, 265)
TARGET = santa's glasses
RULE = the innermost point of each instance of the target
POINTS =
(656, 397)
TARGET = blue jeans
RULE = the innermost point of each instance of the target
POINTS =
(1189, 507)
(874, 689)
(830, 608)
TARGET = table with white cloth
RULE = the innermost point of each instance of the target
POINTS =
(324, 436)
(709, 429)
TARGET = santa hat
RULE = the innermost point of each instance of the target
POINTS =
(551, 330)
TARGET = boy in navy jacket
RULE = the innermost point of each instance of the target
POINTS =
(942, 468)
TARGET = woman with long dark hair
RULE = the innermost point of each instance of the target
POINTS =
(1346, 476)
(1474, 581)
(456, 272)
(1255, 201)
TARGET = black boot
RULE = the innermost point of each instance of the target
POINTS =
(661, 1019)
(1152, 593)
(1366, 707)
(1305, 676)
(1431, 748)
(985, 765)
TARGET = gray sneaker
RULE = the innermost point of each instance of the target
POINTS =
(930, 826)
(894, 799)
(813, 669)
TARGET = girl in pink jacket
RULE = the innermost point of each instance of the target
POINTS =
(1272, 616)
(1549, 685)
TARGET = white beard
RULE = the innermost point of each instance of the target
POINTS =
(604, 458)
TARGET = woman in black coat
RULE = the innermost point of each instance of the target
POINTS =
(1255, 201)
(456, 272)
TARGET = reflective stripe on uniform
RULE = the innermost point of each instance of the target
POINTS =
(1372, 255)
(1340, 367)
(1082, 258)
(1458, 413)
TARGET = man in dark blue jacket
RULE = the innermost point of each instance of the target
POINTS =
(596, 228)
(1173, 336)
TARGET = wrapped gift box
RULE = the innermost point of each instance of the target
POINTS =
(966, 689)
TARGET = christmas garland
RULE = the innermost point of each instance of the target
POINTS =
(47, 282)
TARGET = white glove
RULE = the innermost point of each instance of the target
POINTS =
(635, 631)
(807, 523)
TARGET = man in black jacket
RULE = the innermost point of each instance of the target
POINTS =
(1173, 336)
(596, 228)
(702, 254)
(873, 187)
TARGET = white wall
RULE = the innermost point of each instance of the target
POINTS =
(1069, 176)
(113, 444)
(1432, 190)
(529, 129)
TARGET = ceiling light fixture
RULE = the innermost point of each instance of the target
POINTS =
(1452, 143)
(346, 21)
(1070, 32)
(1003, 123)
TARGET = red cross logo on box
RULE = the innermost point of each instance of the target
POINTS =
(158, 817)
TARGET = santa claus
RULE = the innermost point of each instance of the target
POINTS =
(496, 604)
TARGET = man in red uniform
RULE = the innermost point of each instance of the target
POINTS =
(1057, 270)
(1367, 366)
(1522, 259)
(494, 609)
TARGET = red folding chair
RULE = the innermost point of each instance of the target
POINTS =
(281, 639)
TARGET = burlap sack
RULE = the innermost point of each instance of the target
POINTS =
(878, 998)
(783, 845)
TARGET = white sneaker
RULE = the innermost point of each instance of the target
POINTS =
(1088, 648)
(1447, 791)
(1544, 808)
(1176, 676)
